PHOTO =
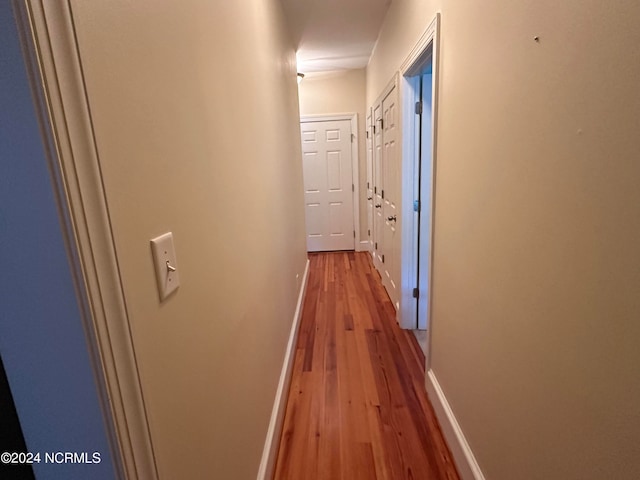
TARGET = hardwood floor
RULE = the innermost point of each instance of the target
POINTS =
(357, 407)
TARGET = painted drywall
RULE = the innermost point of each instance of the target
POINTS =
(42, 339)
(402, 27)
(537, 225)
(341, 92)
(195, 112)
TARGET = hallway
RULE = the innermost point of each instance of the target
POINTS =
(357, 407)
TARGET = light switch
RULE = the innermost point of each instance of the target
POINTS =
(164, 257)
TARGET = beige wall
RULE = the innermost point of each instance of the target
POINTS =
(536, 311)
(405, 22)
(341, 92)
(196, 119)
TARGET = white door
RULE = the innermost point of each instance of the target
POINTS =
(378, 219)
(391, 171)
(370, 208)
(328, 185)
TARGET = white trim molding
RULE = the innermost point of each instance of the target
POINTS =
(393, 83)
(429, 34)
(57, 78)
(274, 432)
(369, 177)
(377, 263)
(466, 463)
(355, 162)
(425, 48)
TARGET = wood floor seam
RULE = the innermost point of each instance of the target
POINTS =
(357, 408)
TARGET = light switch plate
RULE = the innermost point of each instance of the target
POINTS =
(164, 258)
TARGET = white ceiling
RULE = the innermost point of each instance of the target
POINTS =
(334, 35)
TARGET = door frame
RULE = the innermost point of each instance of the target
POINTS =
(369, 177)
(429, 40)
(353, 118)
(377, 105)
(386, 92)
(57, 82)
(393, 83)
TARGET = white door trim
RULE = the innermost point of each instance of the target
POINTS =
(353, 118)
(57, 79)
(377, 173)
(410, 187)
(393, 83)
(369, 177)
(391, 164)
(429, 40)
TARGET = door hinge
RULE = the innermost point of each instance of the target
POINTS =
(382, 258)
(416, 205)
(376, 247)
(381, 124)
(354, 234)
(416, 292)
(367, 184)
(375, 189)
(369, 233)
(418, 108)
(374, 129)
(353, 136)
(353, 187)
(383, 194)
(367, 133)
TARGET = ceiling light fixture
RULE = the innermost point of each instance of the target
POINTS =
(300, 77)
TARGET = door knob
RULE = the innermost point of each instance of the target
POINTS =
(392, 219)
(378, 205)
(369, 198)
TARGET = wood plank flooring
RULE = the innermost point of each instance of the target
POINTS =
(357, 407)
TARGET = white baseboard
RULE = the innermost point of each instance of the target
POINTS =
(466, 463)
(268, 462)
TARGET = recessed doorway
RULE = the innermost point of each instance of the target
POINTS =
(419, 88)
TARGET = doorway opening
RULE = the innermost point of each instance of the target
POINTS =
(424, 84)
(418, 87)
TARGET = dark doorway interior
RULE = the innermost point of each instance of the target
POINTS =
(11, 437)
